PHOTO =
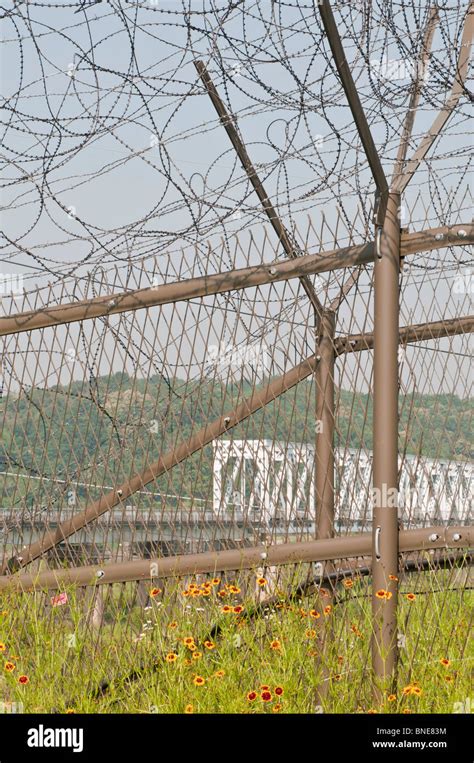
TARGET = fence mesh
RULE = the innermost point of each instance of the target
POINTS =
(91, 405)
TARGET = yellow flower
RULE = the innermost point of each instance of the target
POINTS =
(171, 657)
(199, 681)
(2, 647)
(392, 697)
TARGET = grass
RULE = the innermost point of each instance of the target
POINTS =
(317, 663)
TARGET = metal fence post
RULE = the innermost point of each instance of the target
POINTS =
(324, 455)
(385, 451)
(324, 473)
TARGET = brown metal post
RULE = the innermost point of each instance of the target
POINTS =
(385, 451)
(324, 475)
(324, 455)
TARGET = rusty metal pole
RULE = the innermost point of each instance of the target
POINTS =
(324, 455)
(324, 477)
(385, 539)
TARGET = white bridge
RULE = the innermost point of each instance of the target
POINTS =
(267, 480)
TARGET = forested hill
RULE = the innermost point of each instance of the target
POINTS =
(118, 424)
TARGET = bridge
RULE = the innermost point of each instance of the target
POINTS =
(274, 481)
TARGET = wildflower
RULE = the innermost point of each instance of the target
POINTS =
(407, 690)
(219, 673)
(314, 613)
(266, 696)
(222, 593)
(188, 661)
(197, 655)
(2, 647)
(406, 711)
(265, 687)
(199, 681)
(275, 645)
(155, 592)
(188, 640)
(372, 711)
(237, 610)
(337, 677)
(310, 633)
(449, 679)
(234, 589)
(174, 624)
(196, 593)
(23, 680)
(9, 667)
(209, 644)
(327, 610)
(189, 710)
(348, 583)
(276, 708)
(381, 593)
(392, 697)
(417, 690)
(186, 593)
(205, 592)
(340, 659)
(215, 581)
(393, 577)
(251, 696)
(279, 691)
(192, 647)
(444, 661)
(261, 582)
(70, 711)
(226, 609)
(171, 657)
(411, 596)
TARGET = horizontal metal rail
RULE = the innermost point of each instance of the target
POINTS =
(233, 280)
(422, 332)
(236, 559)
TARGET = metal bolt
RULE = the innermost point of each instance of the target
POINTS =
(263, 555)
(100, 574)
(457, 536)
(227, 420)
(433, 537)
(439, 236)
(272, 271)
(462, 233)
